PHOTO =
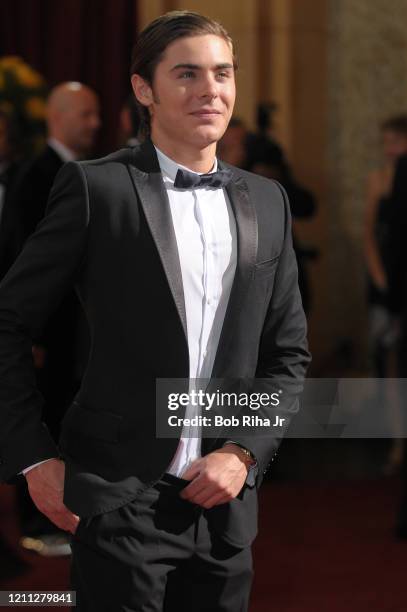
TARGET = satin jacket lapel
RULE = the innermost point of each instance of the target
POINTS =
(149, 185)
(247, 237)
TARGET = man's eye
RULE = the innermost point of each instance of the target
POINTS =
(187, 75)
(223, 75)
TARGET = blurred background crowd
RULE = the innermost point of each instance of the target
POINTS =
(322, 108)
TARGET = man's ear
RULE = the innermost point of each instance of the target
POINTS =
(142, 90)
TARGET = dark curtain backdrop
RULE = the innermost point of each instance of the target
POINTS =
(84, 40)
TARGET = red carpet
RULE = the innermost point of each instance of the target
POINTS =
(325, 547)
(329, 548)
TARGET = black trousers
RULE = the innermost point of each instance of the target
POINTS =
(157, 554)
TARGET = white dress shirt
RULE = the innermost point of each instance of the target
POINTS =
(205, 231)
(62, 150)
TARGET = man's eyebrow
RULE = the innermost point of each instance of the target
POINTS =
(198, 67)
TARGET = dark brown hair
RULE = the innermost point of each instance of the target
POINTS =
(155, 38)
(396, 124)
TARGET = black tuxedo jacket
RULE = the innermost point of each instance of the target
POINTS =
(30, 191)
(108, 231)
(28, 199)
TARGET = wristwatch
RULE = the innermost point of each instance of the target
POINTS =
(249, 460)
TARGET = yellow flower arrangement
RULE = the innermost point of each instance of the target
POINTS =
(10, 61)
(23, 93)
(35, 107)
(27, 76)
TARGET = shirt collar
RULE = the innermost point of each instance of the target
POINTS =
(169, 167)
(60, 149)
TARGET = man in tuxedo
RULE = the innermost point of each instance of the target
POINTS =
(185, 269)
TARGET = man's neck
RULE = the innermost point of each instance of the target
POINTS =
(65, 153)
(198, 160)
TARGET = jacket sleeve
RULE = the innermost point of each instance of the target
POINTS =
(283, 355)
(42, 274)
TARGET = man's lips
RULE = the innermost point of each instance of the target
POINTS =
(205, 113)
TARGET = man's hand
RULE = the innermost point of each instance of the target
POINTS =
(216, 478)
(46, 487)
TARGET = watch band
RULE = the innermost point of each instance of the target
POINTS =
(249, 460)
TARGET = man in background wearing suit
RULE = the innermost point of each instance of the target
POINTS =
(185, 269)
(73, 120)
(72, 125)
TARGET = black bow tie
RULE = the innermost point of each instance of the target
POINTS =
(190, 180)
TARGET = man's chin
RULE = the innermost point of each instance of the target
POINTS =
(205, 136)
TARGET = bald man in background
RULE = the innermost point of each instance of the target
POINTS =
(73, 120)
(72, 123)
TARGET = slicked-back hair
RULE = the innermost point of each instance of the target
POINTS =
(155, 38)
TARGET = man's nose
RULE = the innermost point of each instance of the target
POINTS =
(209, 87)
